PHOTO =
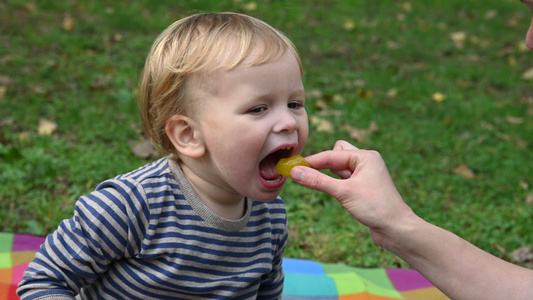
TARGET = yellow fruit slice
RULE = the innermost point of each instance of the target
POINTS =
(285, 165)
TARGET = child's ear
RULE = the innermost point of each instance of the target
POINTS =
(185, 135)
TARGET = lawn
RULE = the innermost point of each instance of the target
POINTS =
(442, 89)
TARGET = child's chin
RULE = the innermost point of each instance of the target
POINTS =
(266, 197)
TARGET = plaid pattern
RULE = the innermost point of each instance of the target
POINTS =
(16, 252)
(312, 280)
(304, 279)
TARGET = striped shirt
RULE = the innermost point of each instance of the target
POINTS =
(147, 235)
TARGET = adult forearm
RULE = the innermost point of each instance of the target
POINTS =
(455, 266)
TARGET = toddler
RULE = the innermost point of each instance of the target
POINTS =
(222, 95)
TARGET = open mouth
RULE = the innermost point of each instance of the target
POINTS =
(267, 167)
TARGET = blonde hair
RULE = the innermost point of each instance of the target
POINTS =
(199, 44)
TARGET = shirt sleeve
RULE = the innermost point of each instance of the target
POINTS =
(108, 224)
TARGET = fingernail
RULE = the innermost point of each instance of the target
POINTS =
(297, 174)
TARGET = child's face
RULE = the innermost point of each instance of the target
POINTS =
(247, 116)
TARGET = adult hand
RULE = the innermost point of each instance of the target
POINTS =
(365, 187)
(366, 190)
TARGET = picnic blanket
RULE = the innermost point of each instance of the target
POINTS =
(304, 279)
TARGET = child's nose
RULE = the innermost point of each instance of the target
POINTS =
(286, 122)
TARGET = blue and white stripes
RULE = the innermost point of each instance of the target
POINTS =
(146, 235)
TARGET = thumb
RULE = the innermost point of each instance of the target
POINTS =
(314, 179)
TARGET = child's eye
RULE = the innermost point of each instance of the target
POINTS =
(295, 105)
(257, 110)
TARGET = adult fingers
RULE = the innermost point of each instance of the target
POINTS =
(344, 145)
(341, 145)
(335, 160)
(315, 180)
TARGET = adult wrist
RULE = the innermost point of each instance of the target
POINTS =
(402, 235)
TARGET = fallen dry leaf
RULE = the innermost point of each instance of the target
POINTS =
(359, 83)
(422, 23)
(512, 61)
(392, 45)
(463, 83)
(458, 39)
(360, 134)
(528, 74)
(507, 50)
(373, 127)
(3, 92)
(117, 37)
(522, 47)
(523, 255)
(464, 171)
(400, 17)
(514, 120)
(509, 138)
(24, 136)
(7, 58)
(321, 104)
(38, 89)
(109, 69)
(101, 81)
(364, 93)
(7, 122)
(46, 127)
(487, 126)
(143, 148)
(337, 98)
(529, 199)
(314, 94)
(514, 21)
(322, 125)
(504, 136)
(501, 249)
(490, 14)
(31, 7)
(524, 185)
(438, 97)
(68, 23)
(349, 25)
(5, 80)
(331, 113)
(250, 6)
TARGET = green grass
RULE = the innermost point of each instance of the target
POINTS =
(85, 80)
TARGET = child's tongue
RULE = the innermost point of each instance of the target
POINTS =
(267, 168)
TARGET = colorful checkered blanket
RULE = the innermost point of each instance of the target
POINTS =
(304, 279)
